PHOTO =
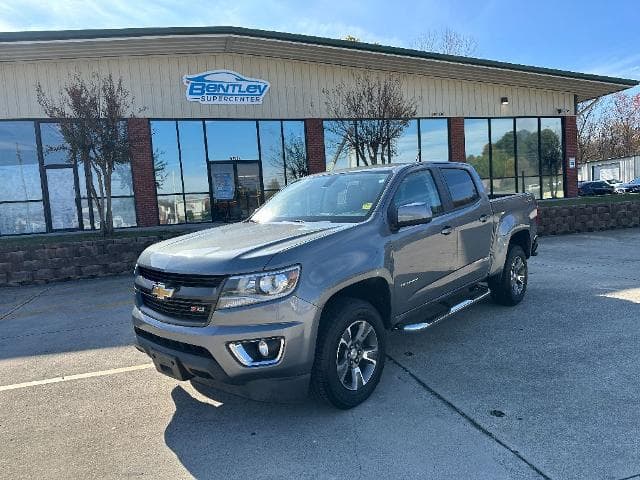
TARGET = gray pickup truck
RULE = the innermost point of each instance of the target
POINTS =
(302, 294)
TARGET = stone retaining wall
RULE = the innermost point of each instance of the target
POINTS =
(587, 218)
(68, 260)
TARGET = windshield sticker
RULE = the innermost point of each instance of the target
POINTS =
(366, 206)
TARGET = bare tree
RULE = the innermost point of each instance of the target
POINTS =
(446, 41)
(370, 115)
(609, 127)
(91, 115)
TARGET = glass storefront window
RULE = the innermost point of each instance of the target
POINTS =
(62, 198)
(405, 148)
(337, 150)
(502, 148)
(551, 157)
(295, 150)
(171, 209)
(232, 140)
(19, 169)
(434, 140)
(193, 156)
(476, 144)
(527, 143)
(273, 171)
(165, 157)
(54, 150)
(197, 208)
(21, 218)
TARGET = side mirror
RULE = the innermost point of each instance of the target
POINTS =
(411, 214)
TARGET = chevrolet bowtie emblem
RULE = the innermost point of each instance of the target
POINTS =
(161, 292)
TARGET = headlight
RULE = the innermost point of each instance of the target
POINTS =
(242, 290)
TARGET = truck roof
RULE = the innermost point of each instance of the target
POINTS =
(389, 167)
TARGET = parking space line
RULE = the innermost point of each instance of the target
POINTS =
(78, 376)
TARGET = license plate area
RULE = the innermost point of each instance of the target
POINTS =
(169, 365)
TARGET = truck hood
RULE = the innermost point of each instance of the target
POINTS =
(235, 248)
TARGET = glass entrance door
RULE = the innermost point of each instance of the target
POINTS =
(236, 189)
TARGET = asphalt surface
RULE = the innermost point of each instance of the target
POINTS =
(548, 389)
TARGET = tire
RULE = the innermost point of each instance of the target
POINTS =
(341, 345)
(509, 288)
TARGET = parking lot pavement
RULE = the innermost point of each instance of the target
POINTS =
(546, 389)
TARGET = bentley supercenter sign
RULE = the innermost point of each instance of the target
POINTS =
(223, 87)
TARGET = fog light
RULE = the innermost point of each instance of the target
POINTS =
(259, 352)
(263, 348)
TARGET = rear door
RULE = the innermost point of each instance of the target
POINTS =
(422, 254)
(472, 222)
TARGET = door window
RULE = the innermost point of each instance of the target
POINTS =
(461, 187)
(419, 187)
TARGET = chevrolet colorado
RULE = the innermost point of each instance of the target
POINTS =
(304, 292)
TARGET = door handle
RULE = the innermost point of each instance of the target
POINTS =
(484, 218)
(446, 230)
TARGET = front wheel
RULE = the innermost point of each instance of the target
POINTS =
(510, 287)
(350, 353)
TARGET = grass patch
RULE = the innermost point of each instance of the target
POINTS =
(601, 199)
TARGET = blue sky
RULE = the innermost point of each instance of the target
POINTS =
(588, 36)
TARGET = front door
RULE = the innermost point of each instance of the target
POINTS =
(236, 189)
(423, 255)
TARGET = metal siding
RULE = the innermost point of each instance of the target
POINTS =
(296, 88)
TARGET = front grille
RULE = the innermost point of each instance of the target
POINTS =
(210, 281)
(174, 345)
(180, 308)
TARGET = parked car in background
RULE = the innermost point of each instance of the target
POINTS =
(631, 187)
(616, 184)
(599, 187)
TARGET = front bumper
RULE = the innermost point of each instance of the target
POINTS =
(202, 353)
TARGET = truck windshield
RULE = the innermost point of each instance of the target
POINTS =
(342, 197)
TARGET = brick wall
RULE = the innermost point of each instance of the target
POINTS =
(144, 187)
(456, 140)
(571, 150)
(315, 145)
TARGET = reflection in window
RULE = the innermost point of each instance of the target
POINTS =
(337, 148)
(405, 148)
(502, 156)
(551, 157)
(232, 140)
(434, 140)
(295, 150)
(476, 144)
(165, 157)
(197, 207)
(19, 218)
(54, 147)
(193, 157)
(171, 209)
(273, 175)
(62, 198)
(527, 141)
(19, 169)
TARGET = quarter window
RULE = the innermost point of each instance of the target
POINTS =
(461, 187)
(419, 187)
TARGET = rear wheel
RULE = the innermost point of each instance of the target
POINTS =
(510, 287)
(350, 353)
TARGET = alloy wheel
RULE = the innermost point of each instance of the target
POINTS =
(357, 355)
(518, 275)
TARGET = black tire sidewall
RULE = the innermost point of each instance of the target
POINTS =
(339, 317)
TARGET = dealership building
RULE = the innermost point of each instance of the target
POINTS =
(232, 115)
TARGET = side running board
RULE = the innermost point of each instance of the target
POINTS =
(418, 327)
